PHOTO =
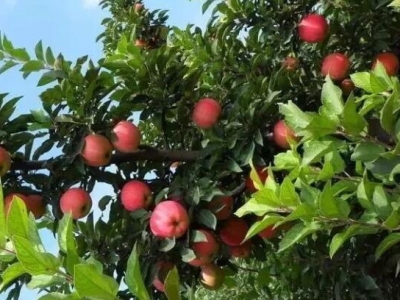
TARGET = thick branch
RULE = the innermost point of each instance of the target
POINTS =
(118, 158)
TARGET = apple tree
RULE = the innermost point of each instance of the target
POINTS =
(242, 157)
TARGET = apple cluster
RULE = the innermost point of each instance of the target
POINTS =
(314, 28)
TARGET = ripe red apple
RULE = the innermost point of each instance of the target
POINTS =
(241, 251)
(221, 206)
(347, 86)
(162, 269)
(290, 63)
(206, 113)
(212, 276)
(135, 195)
(336, 65)
(268, 233)
(33, 203)
(96, 151)
(169, 219)
(281, 134)
(126, 137)
(5, 161)
(204, 250)
(77, 202)
(262, 174)
(390, 62)
(233, 231)
(313, 28)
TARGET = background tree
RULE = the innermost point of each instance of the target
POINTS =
(250, 58)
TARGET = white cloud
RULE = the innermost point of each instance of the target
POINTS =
(88, 4)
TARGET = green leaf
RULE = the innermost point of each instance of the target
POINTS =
(7, 65)
(259, 226)
(11, 273)
(89, 282)
(255, 206)
(388, 116)
(388, 242)
(50, 76)
(353, 122)
(286, 161)
(367, 151)
(296, 234)
(288, 196)
(332, 97)
(171, 284)
(207, 218)
(44, 281)
(295, 118)
(328, 205)
(381, 203)
(60, 296)
(34, 262)
(305, 212)
(133, 276)
(314, 150)
(39, 51)
(49, 57)
(19, 54)
(362, 81)
(32, 66)
(378, 85)
(3, 228)
(66, 241)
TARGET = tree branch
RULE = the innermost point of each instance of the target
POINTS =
(118, 158)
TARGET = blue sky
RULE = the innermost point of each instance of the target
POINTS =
(69, 27)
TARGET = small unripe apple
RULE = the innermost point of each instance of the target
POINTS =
(169, 219)
(77, 202)
(135, 195)
(162, 270)
(241, 251)
(347, 86)
(233, 231)
(390, 62)
(290, 63)
(281, 134)
(5, 161)
(221, 207)
(126, 137)
(140, 43)
(96, 151)
(206, 113)
(138, 7)
(313, 28)
(212, 276)
(262, 174)
(336, 65)
(33, 203)
(268, 233)
(204, 250)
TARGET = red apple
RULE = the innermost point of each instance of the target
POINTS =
(162, 269)
(206, 113)
(126, 137)
(281, 134)
(262, 174)
(169, 219)
(347, 86)
(204, 250)
(268, 233)
(336, 65)
(33, 203)
(77, 202)
(290, 63)
(96, 151)
(241, 251)
(135, 195)
(233, 231)
(221, 206)
(36, 205)
(5, 161)
(390, 62)
(212, 276)
(313, 28)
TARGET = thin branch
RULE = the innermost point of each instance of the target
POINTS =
(148, 153)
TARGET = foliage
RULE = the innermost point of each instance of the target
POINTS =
(338, 186)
